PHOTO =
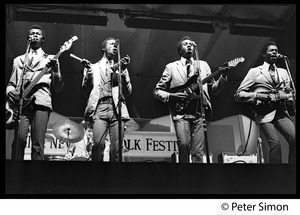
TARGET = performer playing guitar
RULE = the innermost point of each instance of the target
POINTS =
(188, 122)
(191, 86)
(267, 89)
(29, 100)
(30, 87)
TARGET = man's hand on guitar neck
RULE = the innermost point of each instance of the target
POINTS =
(55, 68)
(224, 71)
(179, 96)
(53, 64)
(125, 62)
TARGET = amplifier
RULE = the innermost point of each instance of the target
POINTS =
(227, 157)
(175, 158)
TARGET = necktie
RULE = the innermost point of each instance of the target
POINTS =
(33, 57)
(272, 72)
(188, 67)
(108, 68)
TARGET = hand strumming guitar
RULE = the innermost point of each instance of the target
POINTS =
(262, 97)
(273, 97)
(13, 96)
(179, 96)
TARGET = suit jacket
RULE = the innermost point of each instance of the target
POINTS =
(99, 85)
(259, 78)
(174, 75)
(42, 91)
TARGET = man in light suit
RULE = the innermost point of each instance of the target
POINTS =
(188, 122)
(27, 68)
(102, 82)
(267, 89)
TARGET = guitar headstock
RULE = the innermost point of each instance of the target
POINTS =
(67, 45)
(235, 62)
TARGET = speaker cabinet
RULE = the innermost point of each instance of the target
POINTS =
(227, 157)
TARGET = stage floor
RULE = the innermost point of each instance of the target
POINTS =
(58, 177)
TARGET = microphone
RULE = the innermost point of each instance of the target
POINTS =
(116, 43)
(32, 39)
(280, 56)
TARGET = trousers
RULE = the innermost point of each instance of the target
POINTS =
(287, 128)
(38, 119)
(190, 139)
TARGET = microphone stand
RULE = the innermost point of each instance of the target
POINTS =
(201, 104)
(292, 83)
(259, 149)
(119, 104)
(17, 135)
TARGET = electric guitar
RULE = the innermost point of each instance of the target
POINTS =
(275, 98)
(192, 86)
(12, 110)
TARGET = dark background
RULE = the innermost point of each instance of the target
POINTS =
(226, 32)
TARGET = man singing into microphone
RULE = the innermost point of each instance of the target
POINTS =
(100, 81)
(267, 89)
(36, 112)
(188, 123)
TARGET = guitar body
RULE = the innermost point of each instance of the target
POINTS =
(277, 99)
(180, 106)
(11, 112)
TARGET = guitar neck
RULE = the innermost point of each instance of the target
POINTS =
(205, 80)
(38, 77)
(210, 77)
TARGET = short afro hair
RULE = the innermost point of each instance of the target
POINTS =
(103, 45)
(179, 44)
(36, 27)
(266, 46)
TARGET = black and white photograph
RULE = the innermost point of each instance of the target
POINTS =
(150, 101)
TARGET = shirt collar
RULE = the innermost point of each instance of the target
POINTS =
(267, 65)
(105, 61)
(183, 60)
(39, 52)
